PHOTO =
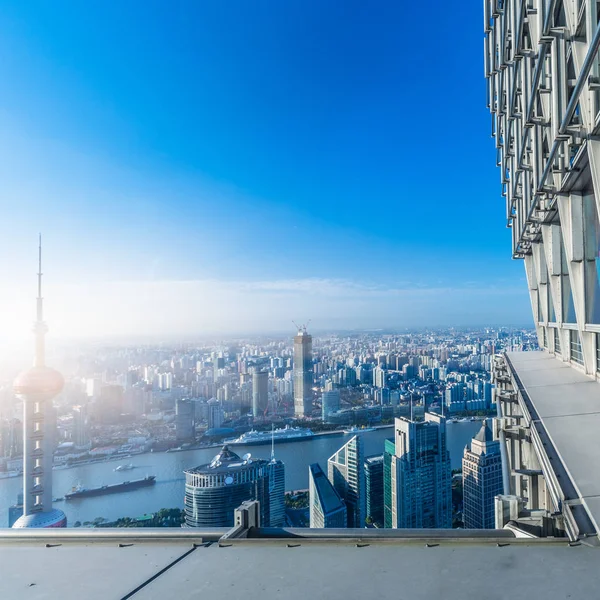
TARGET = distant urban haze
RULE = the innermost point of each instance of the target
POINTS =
(234, 166)
(155, 308)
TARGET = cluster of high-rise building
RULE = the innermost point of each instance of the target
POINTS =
(124, 400)
(408, 485)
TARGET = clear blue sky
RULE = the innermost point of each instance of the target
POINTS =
(328, 158)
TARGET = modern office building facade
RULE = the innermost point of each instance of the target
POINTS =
(345, 470)
(213, 491)
(184, 420)
(215, 414)
(482, 479)
(327, 509)
(418, 490)
(389, 494)
(81, 434)
(330, 403)
(303, 373)
(260, 392)
(373, 468)
(276, 470)
(543, 76)
(541, 70)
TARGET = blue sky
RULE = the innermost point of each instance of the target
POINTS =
(246, 163)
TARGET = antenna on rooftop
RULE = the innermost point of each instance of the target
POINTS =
(272, 442)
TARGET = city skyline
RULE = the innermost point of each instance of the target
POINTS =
(193, 205)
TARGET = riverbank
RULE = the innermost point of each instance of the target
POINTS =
(194, 448)
(169, 467)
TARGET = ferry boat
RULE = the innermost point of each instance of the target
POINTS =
(286, 434)
(354, 429)
(126, 486)
(128, 467)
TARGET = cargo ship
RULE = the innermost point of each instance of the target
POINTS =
(126, 486)
(287, 434)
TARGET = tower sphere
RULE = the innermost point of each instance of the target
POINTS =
(39, 381)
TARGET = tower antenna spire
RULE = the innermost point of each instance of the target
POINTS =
(39, 327)
(272, 442)
(40, 311)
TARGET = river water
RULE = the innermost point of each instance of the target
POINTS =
(168, 467)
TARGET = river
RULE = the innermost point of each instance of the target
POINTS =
(168, 467)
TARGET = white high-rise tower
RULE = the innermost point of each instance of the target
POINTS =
(36, 387)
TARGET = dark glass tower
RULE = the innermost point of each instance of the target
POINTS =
(374, 488)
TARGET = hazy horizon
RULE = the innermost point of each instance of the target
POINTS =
(291, 177)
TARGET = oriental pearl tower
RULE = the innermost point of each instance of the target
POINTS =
(36, 387)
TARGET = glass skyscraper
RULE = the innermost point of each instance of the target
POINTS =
(330, 402)
(374, 489)
(327, 509)
(213, 491)
(260, 392)
(276, 471)
(482, 479)
(345, 471)
(417, 476)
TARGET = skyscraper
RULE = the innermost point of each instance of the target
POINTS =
(36, 387)
(303, 373)
(327, 509)
(330, 402)
(418, 488)
(184, 420)
(213, 491)
(81, 437)
(215, 414)
(389, 451)
(374, 489)
(276, 490)
(345, 470)
(482, 479)
(260, 392)
(109, 406)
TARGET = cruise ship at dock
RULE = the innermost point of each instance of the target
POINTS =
(286, 434)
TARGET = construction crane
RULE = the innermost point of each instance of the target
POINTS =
(302, 327)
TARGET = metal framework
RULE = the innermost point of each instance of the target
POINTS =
(542, 69)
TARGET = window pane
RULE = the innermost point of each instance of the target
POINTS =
(551, 312)
(593, 273)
